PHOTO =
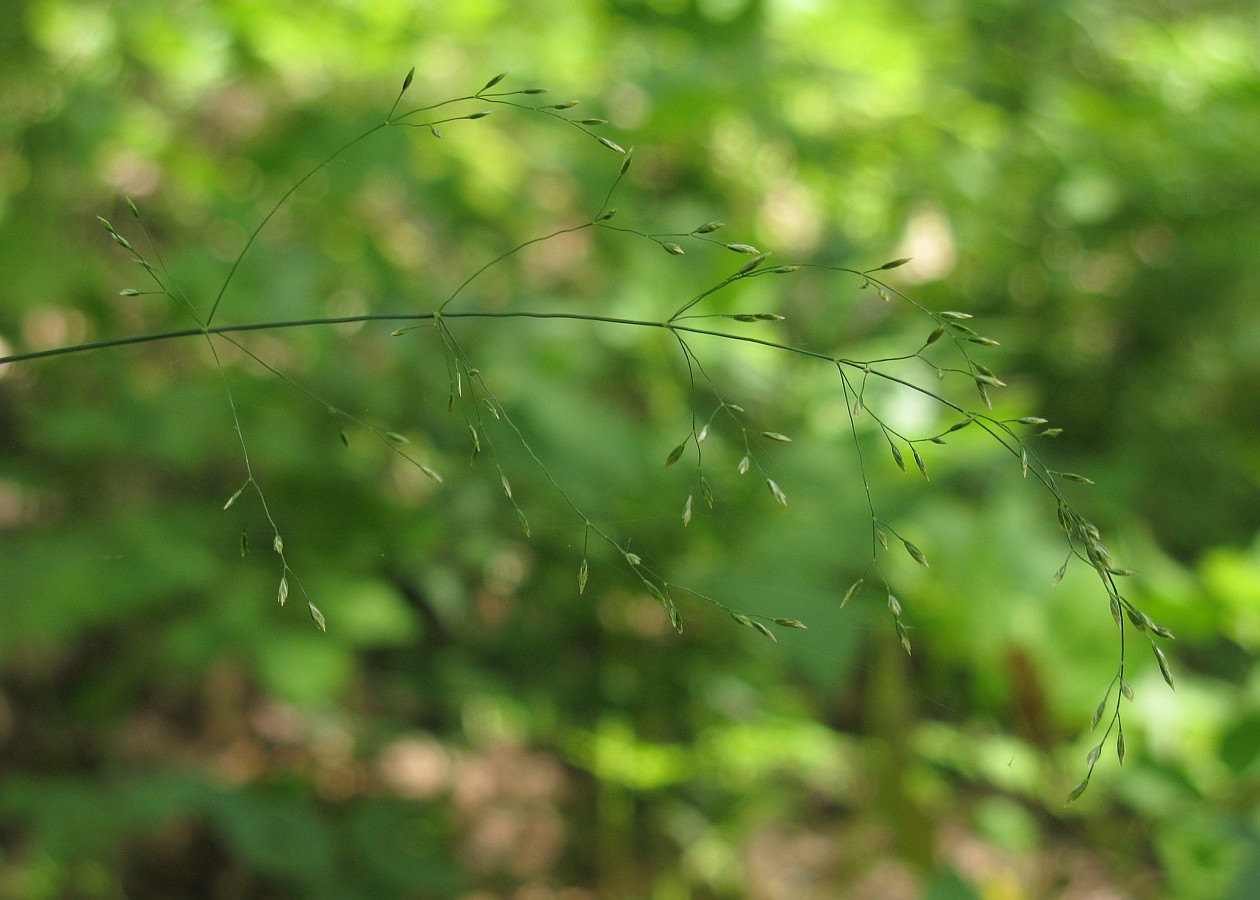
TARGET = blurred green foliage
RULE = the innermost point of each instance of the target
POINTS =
(1081, 176)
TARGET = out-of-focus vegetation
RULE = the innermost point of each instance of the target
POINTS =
(1081, 176)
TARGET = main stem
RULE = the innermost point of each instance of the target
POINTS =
(388, 317)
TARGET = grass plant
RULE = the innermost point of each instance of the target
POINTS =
(950, 350)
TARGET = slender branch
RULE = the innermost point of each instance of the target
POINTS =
(502, 256)
(190, 332)
(864, 367)
(378, 317)
(275, 209)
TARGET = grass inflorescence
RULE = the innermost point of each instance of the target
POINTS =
(948, 349)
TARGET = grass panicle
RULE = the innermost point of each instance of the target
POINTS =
(948, 352)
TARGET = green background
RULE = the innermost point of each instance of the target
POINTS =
(1082, 177)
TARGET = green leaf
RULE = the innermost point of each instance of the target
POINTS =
(686, 514)
(1077, 791)
(675, 454)
(897, 457)
(775, 436)
(583, 572)
(317, 616)
(283, 593)
(896, 263)
(776, 491)
(915, 553)
(520, 517)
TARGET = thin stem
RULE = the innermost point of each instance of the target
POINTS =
(380, 433)
(275, 209)
(377, 317)
(502, 256)
(157, 254)
(240, 435)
